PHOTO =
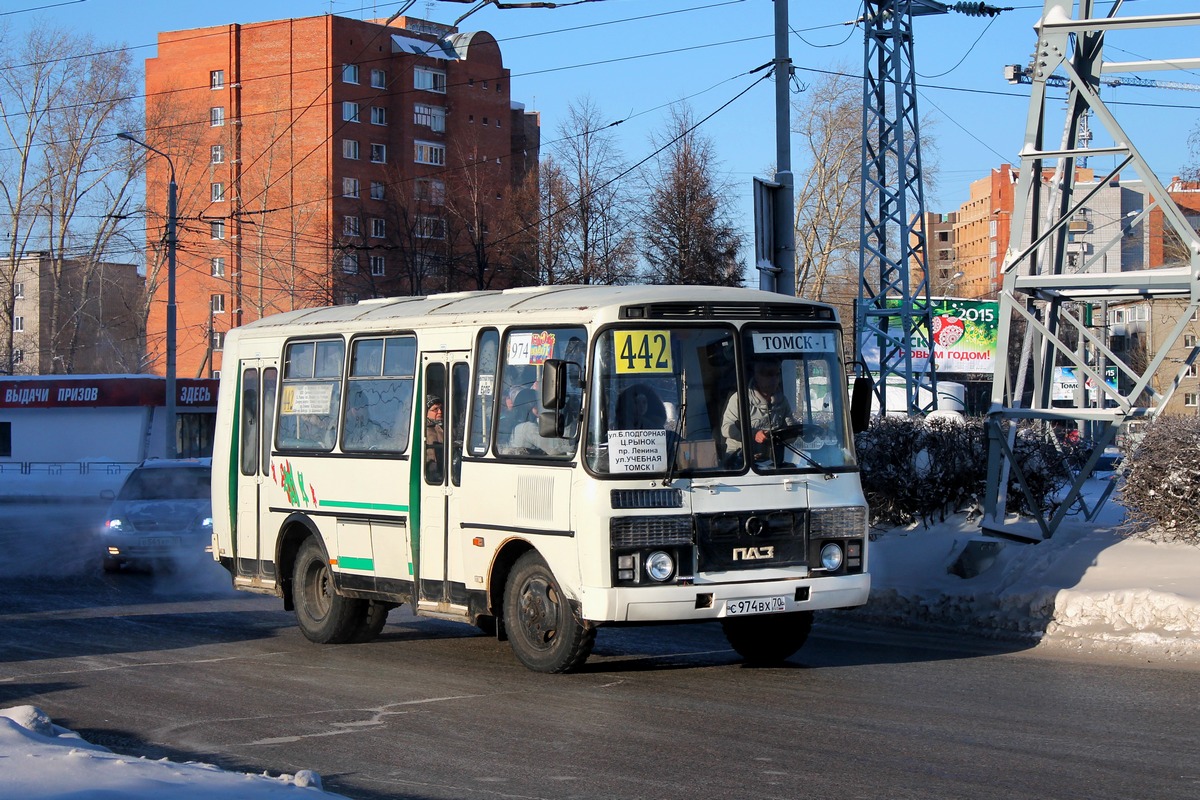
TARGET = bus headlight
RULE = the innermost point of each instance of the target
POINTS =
(831, 557)
(659, 566)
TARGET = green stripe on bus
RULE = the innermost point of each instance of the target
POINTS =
(364, 564)
(369, 506)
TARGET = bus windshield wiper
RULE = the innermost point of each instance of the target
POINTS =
(675, 444)
(787, 433)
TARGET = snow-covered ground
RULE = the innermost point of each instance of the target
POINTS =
(1086, 589)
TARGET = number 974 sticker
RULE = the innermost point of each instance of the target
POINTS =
(643, 351)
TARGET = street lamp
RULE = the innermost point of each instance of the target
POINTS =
(172, 422)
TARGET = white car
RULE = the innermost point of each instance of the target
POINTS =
(161, 515)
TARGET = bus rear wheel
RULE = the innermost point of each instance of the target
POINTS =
(371, 620)
(324, 616)
(543, 630)
(768, 638)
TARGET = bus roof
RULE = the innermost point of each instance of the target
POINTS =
(569, 304)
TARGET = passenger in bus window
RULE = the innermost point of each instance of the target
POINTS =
(639, 409)
(508, 416)
(526, 439)
(769, 409)
(435, 439)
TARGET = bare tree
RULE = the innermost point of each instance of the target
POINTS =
(686, 230)
(828, 193)
(598, 241)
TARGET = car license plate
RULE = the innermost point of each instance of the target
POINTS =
(762, 605)
(160, 541)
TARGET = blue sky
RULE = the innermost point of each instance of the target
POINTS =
(635, 57)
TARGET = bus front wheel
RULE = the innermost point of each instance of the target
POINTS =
(545, 633)
(324, 616)
(768, 638)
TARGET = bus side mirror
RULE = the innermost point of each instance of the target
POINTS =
(554, 384)
(860, 403)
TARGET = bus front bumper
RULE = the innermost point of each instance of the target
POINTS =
(703, 601)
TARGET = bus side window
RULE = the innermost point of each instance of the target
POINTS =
(270, 376)
(435, 429)
(460, 376)
(483, 401)
(249, 421)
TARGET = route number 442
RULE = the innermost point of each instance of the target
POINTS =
(643, 351)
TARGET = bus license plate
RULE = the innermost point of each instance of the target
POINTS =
(763, 605)
(160, 541)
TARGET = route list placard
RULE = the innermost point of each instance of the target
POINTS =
(637, 451)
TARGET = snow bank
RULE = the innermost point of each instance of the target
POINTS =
(1084, 589)
(42, 761)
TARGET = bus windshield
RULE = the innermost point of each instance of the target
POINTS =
(682, 401)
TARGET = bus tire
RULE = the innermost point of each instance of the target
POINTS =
(371, 621)
(768, 638)
(543, 630)
(324, 616)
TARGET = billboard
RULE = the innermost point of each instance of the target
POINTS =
(964, 336)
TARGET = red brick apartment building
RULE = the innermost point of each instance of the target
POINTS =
(326, 160)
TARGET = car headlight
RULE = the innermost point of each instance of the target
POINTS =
(831, 557)
(659, 565)
(112, 525)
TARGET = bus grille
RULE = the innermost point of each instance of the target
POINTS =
(751, 540)
(650, 531)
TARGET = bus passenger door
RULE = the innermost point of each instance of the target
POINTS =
(445, 382)
(254, 555)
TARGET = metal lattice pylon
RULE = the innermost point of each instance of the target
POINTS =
(1054, 302)
(892, 235)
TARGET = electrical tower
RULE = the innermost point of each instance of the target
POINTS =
(893, 317)
(1055, 304)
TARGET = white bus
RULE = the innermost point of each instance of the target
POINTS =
(541, 462)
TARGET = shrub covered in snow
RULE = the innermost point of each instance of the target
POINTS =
(921, 469)
(1161, 492)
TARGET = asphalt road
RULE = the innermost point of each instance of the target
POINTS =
(178, 666)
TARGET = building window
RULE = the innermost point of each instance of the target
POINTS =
(217, 228)
(1191, 399)
(378, 153)
(378, 79)
(216, 116)
(431, 191)
(350, 226)
(218, 154)
(432, 117)
(216, 79)
(18, 324)
(377, 190)
(378, 228)
(378, 115)
(432, 80)
(378, 266)
(18, 291)
(349, 298)
(431, 153)
(1191, 370)
(943, 236)
(218, 340)
(349, 73)
(1189, 339)
(350, 263)
(497, 123)
(17, 358)
(485, 122)
(218, 267)
(217, 304)
(218, 192)
(431, 228)
(350, 149)
(350, 112)
(349, 187)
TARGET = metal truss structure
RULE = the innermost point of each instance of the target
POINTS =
(891, 232)
(1052, 302)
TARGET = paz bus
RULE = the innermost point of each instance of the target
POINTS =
(542, 462)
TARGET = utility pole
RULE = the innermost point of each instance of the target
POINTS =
(172, 191)
(785, 196)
